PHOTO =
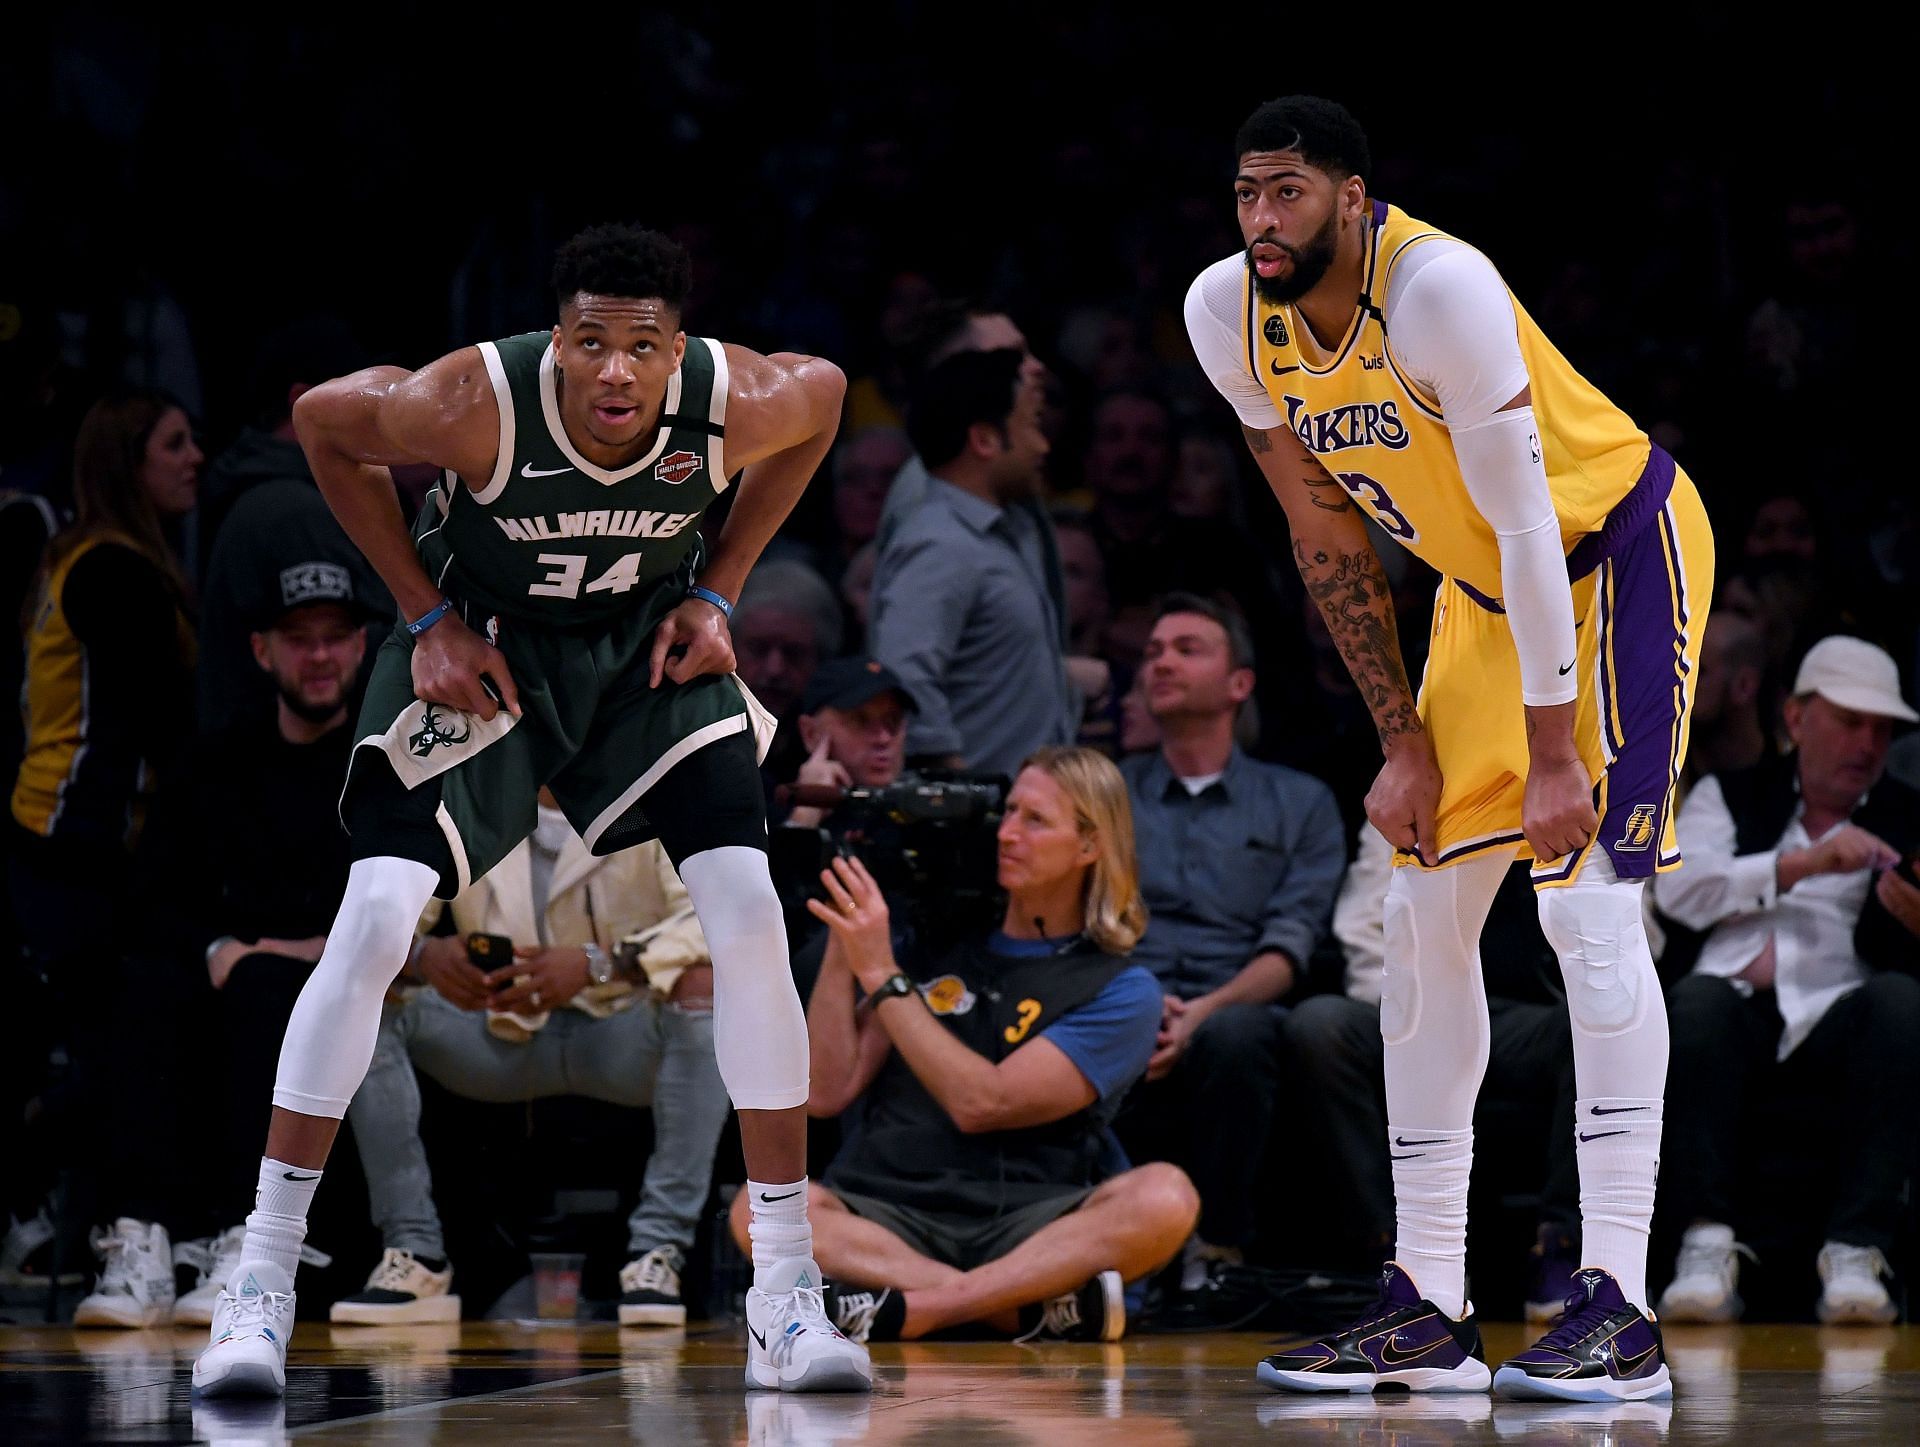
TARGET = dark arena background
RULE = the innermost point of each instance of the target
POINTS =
(1700, 209)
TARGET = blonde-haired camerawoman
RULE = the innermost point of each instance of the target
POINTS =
(989, 1068)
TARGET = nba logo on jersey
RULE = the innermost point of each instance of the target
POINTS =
(677, 467)
(1637, 833)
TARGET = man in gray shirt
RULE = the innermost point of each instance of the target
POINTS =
(1239, 865)
(961, 610)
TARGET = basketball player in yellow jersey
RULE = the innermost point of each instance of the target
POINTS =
(1374, 360)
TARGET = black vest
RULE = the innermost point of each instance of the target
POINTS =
(1762, 800)
(908, 1151)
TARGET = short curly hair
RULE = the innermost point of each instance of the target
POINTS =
(622, 259)
(1323, 131)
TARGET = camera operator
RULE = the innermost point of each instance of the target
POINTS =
(853, 724)
(981, 1185)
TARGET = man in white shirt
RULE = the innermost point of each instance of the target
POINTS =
(1783, 861)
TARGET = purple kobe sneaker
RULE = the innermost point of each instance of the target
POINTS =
(1602, 1349)
(1404, 1341)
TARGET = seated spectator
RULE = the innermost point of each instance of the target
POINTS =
(1806, 982)
(853, 724)
(962, 612)
(1335, 1042)
(1085, 572)
(608, 993)
(109, 710)
(980, 1187)
(856, 590)
(786, 622)
(1239, 862)
(258, 861)
(864, 467)
(1731, 711)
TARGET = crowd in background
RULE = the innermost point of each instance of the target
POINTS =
(158, 917)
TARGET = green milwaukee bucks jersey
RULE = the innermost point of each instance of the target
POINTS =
(554, 539)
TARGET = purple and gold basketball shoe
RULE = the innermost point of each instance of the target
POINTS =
(1602, 1349)
(1405, 1341)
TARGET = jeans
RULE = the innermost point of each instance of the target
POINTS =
(651, 1054)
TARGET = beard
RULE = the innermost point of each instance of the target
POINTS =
(1310, 263)
(313, 711)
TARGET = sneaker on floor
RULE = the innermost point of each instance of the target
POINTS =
(1403, 1341)
(792, 1345)
(403, 1289)
(1706, 1277)
(776, 1419)
(1096, 1312)
(864, 1316)
(1554, 1262)
(650, 1289)
(1853, 1285)
(26, 1255)
(221, 1255)
(1227, 1298)
(1602, 1349)
(251, 1323)
(135, 1288)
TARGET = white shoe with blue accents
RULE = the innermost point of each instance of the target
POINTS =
(251, 1323)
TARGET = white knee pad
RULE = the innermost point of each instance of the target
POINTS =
(1596, 928)
(1400, 978)
(330, 1035)
(759, 1027)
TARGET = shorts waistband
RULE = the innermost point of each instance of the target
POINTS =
(1633, 512)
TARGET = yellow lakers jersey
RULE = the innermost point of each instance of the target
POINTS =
(1384, 438)
(64, 785)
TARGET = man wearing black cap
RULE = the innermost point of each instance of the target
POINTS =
(258, 861)
(853, 722)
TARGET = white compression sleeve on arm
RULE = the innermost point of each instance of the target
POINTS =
(1452, 325)
(1501, 464)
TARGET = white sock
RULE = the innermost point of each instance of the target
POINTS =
(777, 1223)
(1430, 1171)
(278, 1223)
(1617, 1143)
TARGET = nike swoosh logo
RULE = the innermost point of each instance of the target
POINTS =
(1403, 1141)
(1627, 1366)
(1280, 371)
(1390, 1357)
(289, 1175)
(759, 1338)
(1409, 1156)
(1600, 1135)
(767, 1200)
(529, 470)
(1567, 668)
(1614, 1109)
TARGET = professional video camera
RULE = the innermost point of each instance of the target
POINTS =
(927, 838)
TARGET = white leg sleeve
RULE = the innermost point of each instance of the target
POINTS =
(1433, 1019)
(1619, 1016)
(759, 1027)
(1433, 1002)
(330, 1035)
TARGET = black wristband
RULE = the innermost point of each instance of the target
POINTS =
(896, 984)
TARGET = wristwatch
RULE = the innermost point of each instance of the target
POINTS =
(896, 984)
(599, 965)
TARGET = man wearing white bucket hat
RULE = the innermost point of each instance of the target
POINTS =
(1803, 870)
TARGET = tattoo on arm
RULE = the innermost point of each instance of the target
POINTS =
(1257, 441)
(1353, 597)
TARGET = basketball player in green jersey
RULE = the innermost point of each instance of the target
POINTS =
(561, 625)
